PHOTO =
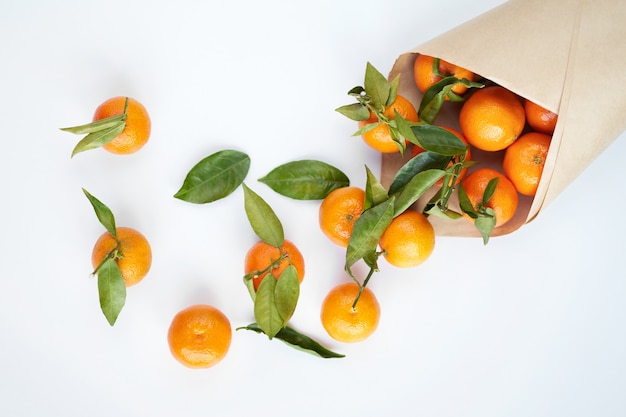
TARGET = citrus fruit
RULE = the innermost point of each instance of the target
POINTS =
(492, 118)
(344, 323)
(425, 76)
(133, 256)
(468, 157)
(199, 336)
(503, 201)
(408, 240)
(338, 212)
(138, 124)
(540, 119)
(524, 160)
(379, 137)
(262, 258)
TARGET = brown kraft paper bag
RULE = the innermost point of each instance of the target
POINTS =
(567, 55)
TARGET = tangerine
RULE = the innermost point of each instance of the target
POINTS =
(504, 200)
(338, 212)
(539, 118)
(138, 125)
(133, 255)
(263, 258)
(492, 118)
(380, 137)
(344, 323)
(408, 240)
(524, 161)
(425, 74)
(199, 336)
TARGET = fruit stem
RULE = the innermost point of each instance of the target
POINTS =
(362, 287)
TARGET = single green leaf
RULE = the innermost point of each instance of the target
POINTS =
(394, 85)
(111, 290)
(438, 140)
(366, 128)
(99, 138)
(214, 177)
(434, 98)
(375, 193)
(263, 219)
(448, 214)
(415, 188)
(266, 312)
(305, 179)
(298, 341)
(98, 125)
(354, 111)
(489, 190)
(104, 214)
(376, 86)
(287, 293)
(485, 223)
(421, 162)
(249, 283)
(367, 230)
(465, 203)
(403, 128)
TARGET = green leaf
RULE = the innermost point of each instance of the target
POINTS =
(262, 218)
(214, 177)
(438, 140)
(393, 90)
(354, 111)
(98, 125)
(367, 230)
(435, 96)
(111, 290)
(485, 222)
(489, 190)
(415, 188)
(465, 203)
(104, 214)
(421, 162)
(298, 341)
(287, 293)
(266, 312)
(376, 86)
(375, 193)
(305, 180)
(98, 138)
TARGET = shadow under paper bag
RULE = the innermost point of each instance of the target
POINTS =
(567, 56)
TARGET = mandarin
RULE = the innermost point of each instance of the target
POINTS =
(504, 200)
(138, 125)
(199, 336)
(425, 75)
(133, 256)
(408, 240)
(539, 118)
(380, 137)
(524, 161)
(263, 258)
(492, 118)
(344, 323)
(338, 212)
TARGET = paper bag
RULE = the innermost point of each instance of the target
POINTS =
(566, 55)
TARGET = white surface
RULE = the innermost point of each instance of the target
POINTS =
(532, 324)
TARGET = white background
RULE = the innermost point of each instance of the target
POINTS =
(531, 324)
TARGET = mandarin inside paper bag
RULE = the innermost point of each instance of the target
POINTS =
(569, 56)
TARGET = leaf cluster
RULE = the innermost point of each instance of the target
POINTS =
(111, 287)
(100, 132)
